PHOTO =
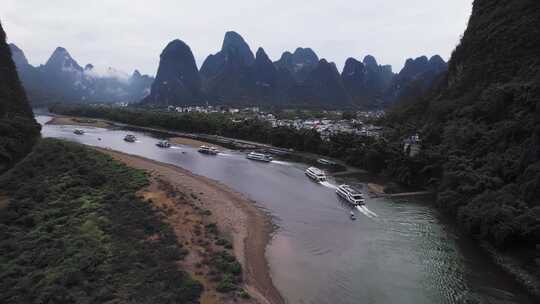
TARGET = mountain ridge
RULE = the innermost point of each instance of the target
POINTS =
(234, 75)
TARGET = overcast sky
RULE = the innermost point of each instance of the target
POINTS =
(129, 34)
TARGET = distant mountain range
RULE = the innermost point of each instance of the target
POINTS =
(233, 76)
(61, 78)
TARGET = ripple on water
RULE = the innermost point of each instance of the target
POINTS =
(318, 255)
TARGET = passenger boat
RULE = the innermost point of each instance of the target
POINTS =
(208, 150)
(326, 162)
(350, 195)
(78, 131)
(259, 157)
(316, 174)
(163, 144)
(130, 138)
(353, 217)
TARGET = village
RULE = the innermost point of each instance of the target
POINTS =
(326, 123)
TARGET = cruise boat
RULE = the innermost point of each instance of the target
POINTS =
(259, 157)
(78, 131)
(316, 174)
(350, 195)
(208, 150)
(163, 144)
(130, 138)
(326, 162)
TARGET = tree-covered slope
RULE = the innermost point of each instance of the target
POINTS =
(481, 125)
(73, 231)
(18, 129)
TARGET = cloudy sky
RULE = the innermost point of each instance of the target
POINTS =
(129, 34)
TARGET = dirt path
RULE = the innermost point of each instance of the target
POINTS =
(236, 216)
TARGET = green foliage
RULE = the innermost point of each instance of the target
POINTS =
(372, 154)
(18, 129)
(75, 232)
(480, 126)
(229, 269)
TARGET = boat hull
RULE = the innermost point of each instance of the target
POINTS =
(344, 197)
(207, 152)
(314, 178)
(259, 159)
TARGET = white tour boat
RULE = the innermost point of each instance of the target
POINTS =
(316, 174)
(326, 162)
(163, 144)
(350, 195)
(208, 150)
(259, 157)
(130, 138)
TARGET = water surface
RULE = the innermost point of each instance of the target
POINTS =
(397, 251)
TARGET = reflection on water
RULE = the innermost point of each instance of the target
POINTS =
(395, 252)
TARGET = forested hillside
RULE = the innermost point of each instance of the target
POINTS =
(73, 231)
(481, 125)
(18, 129)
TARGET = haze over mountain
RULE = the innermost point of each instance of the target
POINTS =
(61, 78)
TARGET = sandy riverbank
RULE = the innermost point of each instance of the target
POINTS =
(236, 216)
(192, 142)
(77, 121)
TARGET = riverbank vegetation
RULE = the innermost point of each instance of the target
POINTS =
(18, 129)
(374, 154)
(74, 231)
(481, 125)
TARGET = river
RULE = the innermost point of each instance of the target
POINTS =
(397, 251)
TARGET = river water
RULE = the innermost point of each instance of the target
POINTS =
(397, 251)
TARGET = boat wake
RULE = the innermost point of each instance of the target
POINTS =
(366, 211)
(328, 185)
(281, 163)
(176, 148)
(225, 154)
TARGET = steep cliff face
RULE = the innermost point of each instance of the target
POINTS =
(265, 76)
(366, 82)
(227, 75)
(481, 124)
(416, 77)
(18, 129)
(322, 87)
(299, 64)
(177, 80)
